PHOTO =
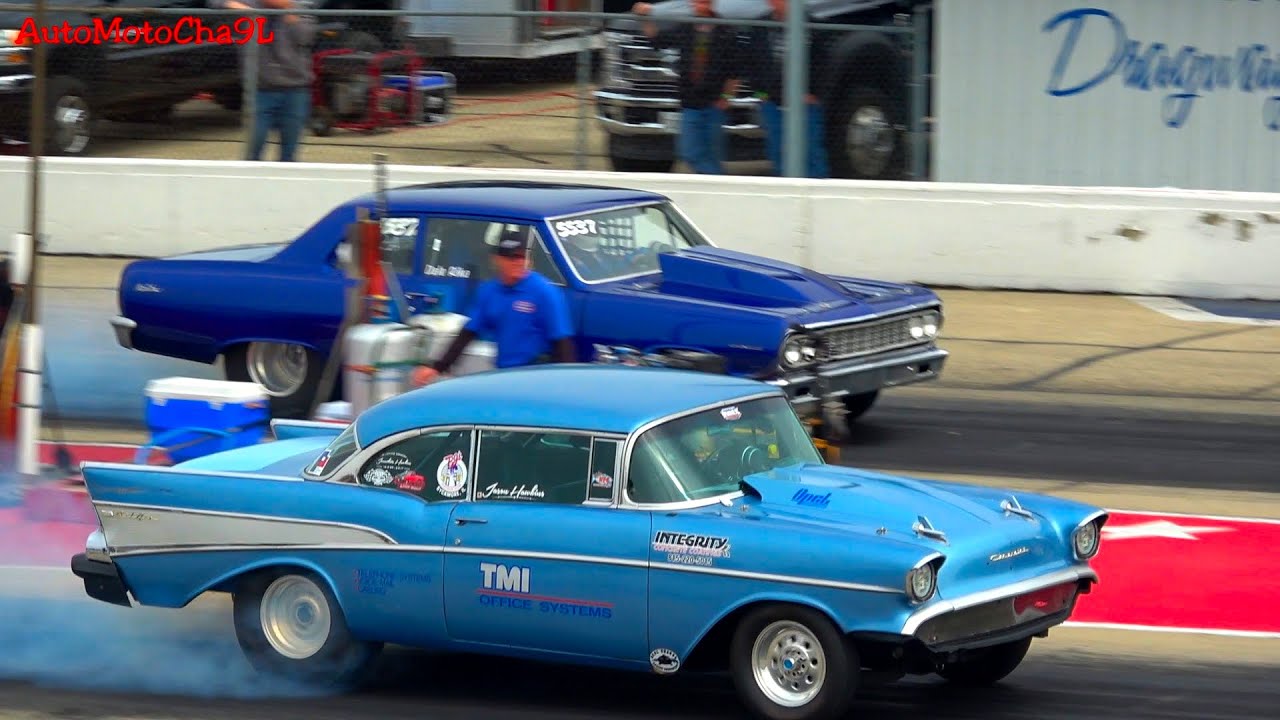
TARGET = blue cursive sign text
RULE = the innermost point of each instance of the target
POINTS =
(1187, 73)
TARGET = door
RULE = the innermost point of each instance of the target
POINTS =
(541, 559)
(404, 590)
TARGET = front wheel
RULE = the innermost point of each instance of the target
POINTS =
(987, 667)
(792, 663)
(864, 140)
(289, 625)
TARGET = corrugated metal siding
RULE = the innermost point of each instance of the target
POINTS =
(998, 123)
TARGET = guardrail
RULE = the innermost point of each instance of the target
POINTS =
(1113, 240)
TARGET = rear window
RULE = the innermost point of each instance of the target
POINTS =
(342, 447)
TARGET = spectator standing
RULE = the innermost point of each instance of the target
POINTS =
(768, 48)
(285, 75)
(708, 65)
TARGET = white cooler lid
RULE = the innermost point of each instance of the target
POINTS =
(224, 391)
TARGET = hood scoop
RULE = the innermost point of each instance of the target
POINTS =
(747, 279)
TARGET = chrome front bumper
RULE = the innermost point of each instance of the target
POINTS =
(612, 107)
(124, 328)
(993, 617)
(809, 389)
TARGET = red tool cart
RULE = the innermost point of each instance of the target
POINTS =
(366, 91)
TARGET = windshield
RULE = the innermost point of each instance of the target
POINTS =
(615, 244)
(342, 447)
(707, 454)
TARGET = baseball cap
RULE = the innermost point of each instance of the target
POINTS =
(511, 244)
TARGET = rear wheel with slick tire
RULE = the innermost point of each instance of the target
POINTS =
(792, 663)
(289, 625)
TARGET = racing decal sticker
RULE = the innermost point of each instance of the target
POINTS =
(520, 492)
(664, 661)
(524, 306)
(569, 228)
(378, 477)
(731, 413)
(317, 467)
(809, 499)
(690, 549)
(369, 581)
(451, 475)
(453, 271)
(411, 482)
(602, 481)
(388, 469)
(508, 587)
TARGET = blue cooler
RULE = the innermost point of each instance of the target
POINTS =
(193, 417)
(435, 93)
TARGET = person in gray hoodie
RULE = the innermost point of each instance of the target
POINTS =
(283, 100)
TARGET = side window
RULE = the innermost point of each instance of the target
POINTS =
(541, 262)
(539, 467)
(604, 459)
(435, 466)
(399, 240)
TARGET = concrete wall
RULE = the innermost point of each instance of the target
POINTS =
(1132, 241)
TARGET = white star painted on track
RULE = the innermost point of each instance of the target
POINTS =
(1158, 529)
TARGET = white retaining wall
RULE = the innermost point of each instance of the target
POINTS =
(1120, 240)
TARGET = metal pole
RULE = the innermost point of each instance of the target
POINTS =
(39, 115)
(920, 51)
(584, 79)
(796, 87)
(250, 102)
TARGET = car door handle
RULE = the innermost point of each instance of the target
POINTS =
(472, 521)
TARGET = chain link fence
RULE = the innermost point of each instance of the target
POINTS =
(568, 84)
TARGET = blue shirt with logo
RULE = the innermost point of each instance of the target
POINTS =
(524, 319)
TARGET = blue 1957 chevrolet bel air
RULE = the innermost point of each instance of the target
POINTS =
(651, 520)
(636, 271)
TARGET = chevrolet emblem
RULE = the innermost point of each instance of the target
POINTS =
(1010, 554)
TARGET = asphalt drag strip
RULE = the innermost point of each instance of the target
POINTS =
(97, 661)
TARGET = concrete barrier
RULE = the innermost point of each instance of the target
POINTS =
(1118, 240)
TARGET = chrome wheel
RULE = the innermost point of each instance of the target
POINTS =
(71, 124)
(869, 140)
(790, 666)
(278, 367)
(295, 617)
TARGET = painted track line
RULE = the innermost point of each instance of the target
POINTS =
(1174, 630)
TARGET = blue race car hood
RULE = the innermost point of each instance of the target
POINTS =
(837, 497)
(719, 275)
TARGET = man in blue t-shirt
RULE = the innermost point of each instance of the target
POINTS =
(525, 314)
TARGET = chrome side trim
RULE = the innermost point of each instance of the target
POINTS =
(566, 557)
(767, 577)
(942, 607)
(162, 469)
(127, 525)
(535, 555)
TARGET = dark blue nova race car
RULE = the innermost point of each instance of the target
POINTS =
(636, 272)
(643, 519)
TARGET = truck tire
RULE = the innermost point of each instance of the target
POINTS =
(69, 117)
(633, 164)
(864, 142)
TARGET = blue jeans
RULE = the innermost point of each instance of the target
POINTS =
(283, 110)
(816, 162)
(702, 140)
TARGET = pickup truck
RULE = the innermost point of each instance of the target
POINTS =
(868, 112)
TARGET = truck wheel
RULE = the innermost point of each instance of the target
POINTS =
(289, 373)
(289, 624)
(864, 141)
(792, 663)
(855, 406)
(987, 667)
(69, 117)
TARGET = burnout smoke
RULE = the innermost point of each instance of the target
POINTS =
(51, 633)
